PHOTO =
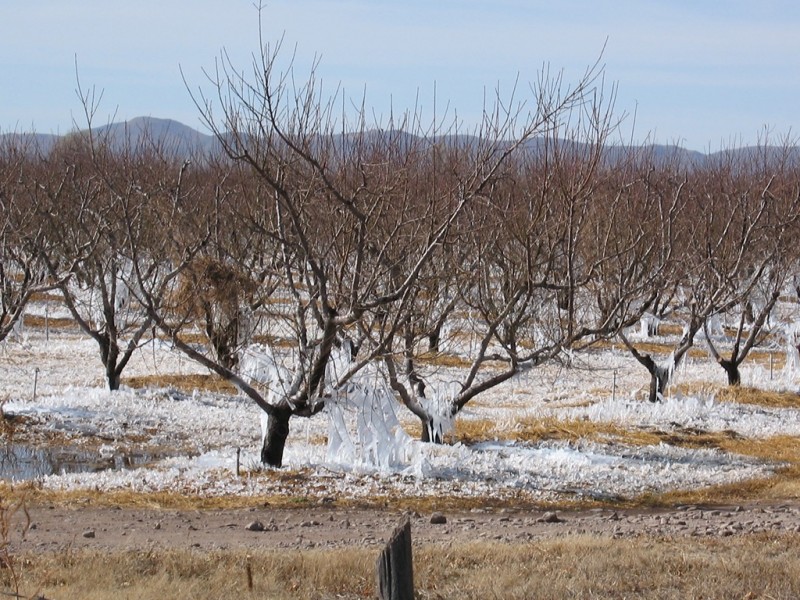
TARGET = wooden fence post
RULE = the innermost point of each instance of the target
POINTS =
(395, 568)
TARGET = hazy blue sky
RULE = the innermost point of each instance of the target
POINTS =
(701, 73)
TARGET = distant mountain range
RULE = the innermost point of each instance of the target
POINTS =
(183, 140)
(174, 135)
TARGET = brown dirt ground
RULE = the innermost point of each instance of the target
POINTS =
(54, 528)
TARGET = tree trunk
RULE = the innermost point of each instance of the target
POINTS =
(275, 440)
(223, 340)
(652, 328)
(109, 353)
(732, 370)
(113, 378)
(659, 378)
(434, 338)
(430, 433)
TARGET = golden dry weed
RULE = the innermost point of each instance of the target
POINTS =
(759, 566)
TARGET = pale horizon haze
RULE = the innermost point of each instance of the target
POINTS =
(704, 75)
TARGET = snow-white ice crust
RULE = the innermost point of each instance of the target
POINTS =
(359, 445)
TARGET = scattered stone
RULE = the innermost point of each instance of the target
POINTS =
(89, 534)
(311, 523)
(550, 517)
(157, 525)
(438, 519)
(255, 526)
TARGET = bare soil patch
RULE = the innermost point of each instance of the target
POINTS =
(330, 552)
(54, 528)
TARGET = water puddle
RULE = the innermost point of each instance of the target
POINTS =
(20, 462)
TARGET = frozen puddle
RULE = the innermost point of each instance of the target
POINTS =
(21, 462)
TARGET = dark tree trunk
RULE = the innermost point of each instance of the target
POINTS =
(225, 354)
(109, 353)
(659, 378)
(223, 340)
(434, 338)
(652, 327)
(113, 378)
(430, 433)
(732, 370)
(275, 440)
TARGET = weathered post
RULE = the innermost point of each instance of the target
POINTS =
(395, 568)
(35, 382)
(614, 387)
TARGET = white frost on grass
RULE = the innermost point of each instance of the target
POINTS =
(695, 412)
(372, 454)
(546, 471)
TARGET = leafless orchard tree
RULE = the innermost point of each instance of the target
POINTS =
(719, 252)
(774, 255)
(105, 215)
(342, 220)
(22, 234)
(555, 255)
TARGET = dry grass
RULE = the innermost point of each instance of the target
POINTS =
(577, 567)
(39, 322)
(534, 430)
(192, 337)
(740, 394)
(50, 297)
(144, 575)
(187, 383)
(651, 348)
(784, 485)
(767, 398)
(765, 358)
(285, 500)
(443, 359)
(150, 500)
(274, 341)
(665, 329)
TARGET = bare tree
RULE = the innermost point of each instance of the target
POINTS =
(773, 255)
(551, 259)
(719, 254)
(341, 219)
(22, 234)
(107, 203)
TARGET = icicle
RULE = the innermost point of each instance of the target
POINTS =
(363, 429)
(792, 335)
